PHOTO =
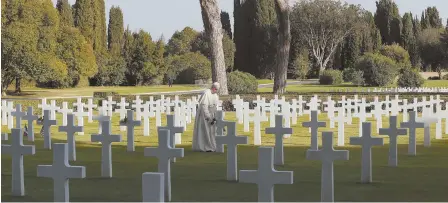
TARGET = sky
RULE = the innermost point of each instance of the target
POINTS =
(164, 17)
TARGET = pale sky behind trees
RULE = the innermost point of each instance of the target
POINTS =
(166, 16)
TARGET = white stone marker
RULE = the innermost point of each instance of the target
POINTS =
(153, 187)
(378, 113)
(47, 123)
(367, 142)
(327, 155)
(61, 172)
(412, 125)
(64, 111)
(43, 105)
(110, 106)
(146, 114)
(4, 136)
(80, 113)
(90, 107)
(286, 113)
(393, 132)
(266, 176)
(330, 109)
(273, 111)
(4, 111)
(106, 139)
(70, 128)
(231, 140)
(314, 124)
(220, 125)
(341, 119)
(362, 114)
(30, 118)
(130, 125)
(102, 116)
(395, 106)
(10, 110)
(122, 111)
(17, 150)
(246, 112)
(427, 120)
(53, 108)
(158, 111)
(19, 114)
(256, 119)
(173, 130)
(278, 131)
(164, 152)
(137, 104)
(238, 105)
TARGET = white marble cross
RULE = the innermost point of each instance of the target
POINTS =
(70, 128)
(367, 142)
(19, 114)
(9, 111)
(313, 105)
(60, 172)
(427, 118)
(395, 106)
(158, 111)
(231, 140)
(256, 119)
(362, 114)
(17, 150)
(378, 113)
(246, 116)
(220, 125)
(122, 111)
(330, 109)
(314, 124)
(80, 113)
(286, 113)
(393, 132)
(130, 125)
(327, 155)
(4, 111)
(90, 107)
(266, 176)
(30, 118)
(53, 108)
(278, 131)
(273, 111)
(4, 136)
(153, 187)
(146, 114)
(106, 139)
(164, 152)
(238, 105)
(43, 105)
(47, 123)
(64, 111)
(102, 116)
(137, 104)
(300, 103)
(110, 106)
(341, 119)
(412, 125)
(173, 130)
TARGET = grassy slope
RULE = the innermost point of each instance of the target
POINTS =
(201, 176)
(327, 88)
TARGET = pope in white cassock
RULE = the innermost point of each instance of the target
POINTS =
(204, 126)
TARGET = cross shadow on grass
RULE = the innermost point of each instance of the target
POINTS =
(201, 176)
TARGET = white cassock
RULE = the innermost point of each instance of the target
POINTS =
(204, 133)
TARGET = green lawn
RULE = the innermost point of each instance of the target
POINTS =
(88, 91)
(201, 176)
(345, 86)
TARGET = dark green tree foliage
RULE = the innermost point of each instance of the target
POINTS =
(115, 31)
(241, 83)
(181, 42)
(141, 70)
(410, 78)
(431, 49)
(351, 50)
(387, 19)
(84, 18)
(378, 70)
(99, 26)
(256, 31)
(225, 21)
(409, 41)
(201, 44)
(417, 26)
(159, 61)
(424, 21)
(65, 13)
(432, 18)
(187, 68)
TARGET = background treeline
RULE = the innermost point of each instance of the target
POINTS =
(73, 46)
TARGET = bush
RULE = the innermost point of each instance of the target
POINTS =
(190, 67)
(445, 77)
(331, 77)
(434, 78)
(410, 78)
(396, 53)
(241, 83)
(357, 78)
(378, 70)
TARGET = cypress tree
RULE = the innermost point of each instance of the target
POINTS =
(425, 21)
(99, 26)
(225, 21)
(65, 13)
(433, 18)
(84, 19)
(388, 20)
(417, 26)
(351, 50)
(409, 40)
(115, 31)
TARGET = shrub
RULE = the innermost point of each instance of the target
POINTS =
(378, 70)
(445, 77)
(241, 83)
(357, 78)
(190, 67)
(410, 78)
(396, 53)
(330, 77)
(434, 78)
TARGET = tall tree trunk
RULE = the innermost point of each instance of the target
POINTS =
(284, 42)
(18, 84)
(211, 16)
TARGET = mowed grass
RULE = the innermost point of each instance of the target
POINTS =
(345, 86)
(202, 176)
(88, 91)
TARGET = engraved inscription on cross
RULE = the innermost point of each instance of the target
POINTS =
(278, 131)
(314, 124)
(60, 172)
(17, 150)
(266, 176)
(393, 132)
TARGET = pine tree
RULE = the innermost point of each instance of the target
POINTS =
(225, 21)
(65, 13)
(388, 20)
(425, 21)
(417, 26)
(433, 18)
(115, 31)
(84, 19)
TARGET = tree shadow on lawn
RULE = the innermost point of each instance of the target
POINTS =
(202, 176)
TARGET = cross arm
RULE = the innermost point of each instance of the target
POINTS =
(248, 176)
(176, 152)
(45, 171)
(76, 172)
(284, 177)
